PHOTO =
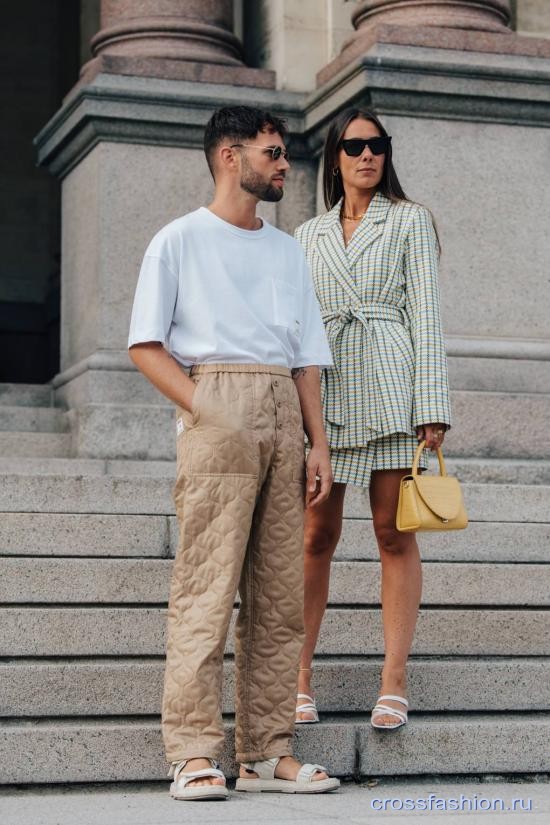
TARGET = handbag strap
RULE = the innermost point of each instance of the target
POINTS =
(418, 453)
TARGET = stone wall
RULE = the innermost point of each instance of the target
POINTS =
(533, 17)
(295, 39)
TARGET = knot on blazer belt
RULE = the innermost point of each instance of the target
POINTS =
(335, 322)
(363, 312)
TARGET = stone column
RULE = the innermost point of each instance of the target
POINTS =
(462, 25)
(173, 39)
(198, 30)
(480, 15)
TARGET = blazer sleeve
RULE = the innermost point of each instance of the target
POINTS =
(431, 386)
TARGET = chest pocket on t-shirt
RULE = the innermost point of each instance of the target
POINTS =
(286, 307)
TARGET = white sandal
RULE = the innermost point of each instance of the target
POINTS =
(180, 789)
(386, 710)
(266, 781)
(307, 707)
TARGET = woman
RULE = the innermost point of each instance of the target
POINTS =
(373, 257)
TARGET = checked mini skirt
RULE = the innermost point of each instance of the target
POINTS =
(354, 465)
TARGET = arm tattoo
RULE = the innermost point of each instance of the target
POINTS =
(298, 372)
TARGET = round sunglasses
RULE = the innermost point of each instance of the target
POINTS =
(356, 146)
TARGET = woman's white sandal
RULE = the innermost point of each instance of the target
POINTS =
(385, 710)
(306, 707)
(181, 790)
(266, 781)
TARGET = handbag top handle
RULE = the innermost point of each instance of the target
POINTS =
(442, 468)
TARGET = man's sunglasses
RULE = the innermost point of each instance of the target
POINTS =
(356, 146)
(274, 151)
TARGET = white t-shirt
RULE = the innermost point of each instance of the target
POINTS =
(214, 293)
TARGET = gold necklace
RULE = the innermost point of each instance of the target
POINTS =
(352, 217)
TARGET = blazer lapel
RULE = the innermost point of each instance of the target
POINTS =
(331, 248)
(370, 228)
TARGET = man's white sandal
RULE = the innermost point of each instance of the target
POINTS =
(307, 707)
(266, 781)
(385, 710)
(180, 788)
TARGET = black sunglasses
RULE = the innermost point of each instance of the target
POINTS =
(356, 146)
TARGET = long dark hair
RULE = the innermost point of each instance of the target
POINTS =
(333, 188)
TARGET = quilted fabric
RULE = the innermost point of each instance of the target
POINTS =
(379, 298)
(239, 501)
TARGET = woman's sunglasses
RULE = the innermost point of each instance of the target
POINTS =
(356, 146)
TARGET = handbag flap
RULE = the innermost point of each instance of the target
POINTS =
(442, 494)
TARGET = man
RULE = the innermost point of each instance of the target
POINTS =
(229, 298)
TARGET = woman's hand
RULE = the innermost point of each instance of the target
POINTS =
(432, 434)
(318, 475)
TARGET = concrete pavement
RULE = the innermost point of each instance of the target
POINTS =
(373, 802)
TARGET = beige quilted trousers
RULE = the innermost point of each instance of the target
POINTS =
(239, 502)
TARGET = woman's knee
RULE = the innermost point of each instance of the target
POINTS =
(321, 539)
(390, 540)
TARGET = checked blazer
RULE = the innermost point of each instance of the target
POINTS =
(379, 299)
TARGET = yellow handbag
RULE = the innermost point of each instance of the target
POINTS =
(430, 502)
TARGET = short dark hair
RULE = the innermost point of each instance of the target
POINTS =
(238, 123)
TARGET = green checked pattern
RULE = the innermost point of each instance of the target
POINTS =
(379, 299)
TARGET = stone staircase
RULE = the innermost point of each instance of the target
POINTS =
(30, 426)
(85, 556)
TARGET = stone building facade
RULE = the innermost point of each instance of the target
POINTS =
(115, 95)
(488, 104)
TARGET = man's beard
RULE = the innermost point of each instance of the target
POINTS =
(253, 183)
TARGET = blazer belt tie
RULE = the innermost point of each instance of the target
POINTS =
(335, 321)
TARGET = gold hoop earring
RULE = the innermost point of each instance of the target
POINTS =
(335, 171)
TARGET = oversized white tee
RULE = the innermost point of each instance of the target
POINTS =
(214, 293)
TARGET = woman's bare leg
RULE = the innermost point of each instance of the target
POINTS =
(323, 526)
(401, 584)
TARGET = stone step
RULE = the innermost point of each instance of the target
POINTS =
(497, 470)
(476, 470)
(480, 542)
(34, 445)
(486, 424)
(92, 534)
(95, 535)
(98, 750)
(32, 419)
(135, 581)
(51, 466)
(129, 495)
(140, 631)
(132, 687)
(484, 502)
(26, 395)
(104, 432)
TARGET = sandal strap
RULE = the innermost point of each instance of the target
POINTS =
(394, 698)
(178, 772)
(383, 710)
(308, 771)
(183, 778)
(265, 769)
(306, 708)
(305, 696)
